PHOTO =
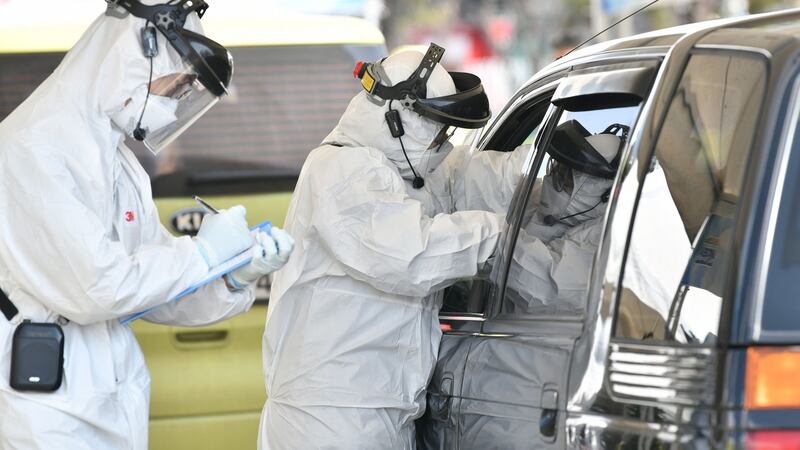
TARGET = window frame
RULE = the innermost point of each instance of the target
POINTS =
(541, 91)
(505, 253)
(521, 198)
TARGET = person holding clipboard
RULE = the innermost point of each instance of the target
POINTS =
(81, 244)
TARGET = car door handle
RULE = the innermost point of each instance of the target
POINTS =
(190, 337)
(439, 403)
(549, 418)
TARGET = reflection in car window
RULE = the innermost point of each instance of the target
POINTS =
(554, 251)
(679, 257)
(477, 193)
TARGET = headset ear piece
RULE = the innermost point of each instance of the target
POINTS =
(149, 42)
(606, 195)
(395, 123)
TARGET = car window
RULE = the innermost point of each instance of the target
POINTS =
(781, 307)
(552, 257)
(511, 143)
(679, 257)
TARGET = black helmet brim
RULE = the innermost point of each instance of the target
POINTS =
(570, 147)
(212, 61)
(467, 108)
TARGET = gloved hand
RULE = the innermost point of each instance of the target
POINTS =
(269, 254)
(224, 235)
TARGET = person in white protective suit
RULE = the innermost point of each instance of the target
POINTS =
(81, 243)
(352, 331)
(561, 233)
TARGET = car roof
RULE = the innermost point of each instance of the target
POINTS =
(228, 29)
(783, 22)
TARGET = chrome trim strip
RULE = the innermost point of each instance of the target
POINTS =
(598, 422)
(639, 369)
(663, 349)
(477, 334)
(654, 381)
(462, 317)
(658, 375)
(734, 48)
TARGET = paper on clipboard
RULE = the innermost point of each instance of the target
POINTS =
(215, 273)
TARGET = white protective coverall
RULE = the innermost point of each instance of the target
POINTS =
(352, 331)
(80, 239)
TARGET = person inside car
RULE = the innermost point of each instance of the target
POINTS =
(561, 232)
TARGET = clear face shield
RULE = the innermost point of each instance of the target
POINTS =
(203, 73)
(443, 136)
(176, 101)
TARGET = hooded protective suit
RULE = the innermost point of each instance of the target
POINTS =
(352, 330)
(81, 240)
(558, 239)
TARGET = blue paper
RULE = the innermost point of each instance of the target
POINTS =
(214, 274)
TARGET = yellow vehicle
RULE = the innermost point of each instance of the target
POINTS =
(292, 81)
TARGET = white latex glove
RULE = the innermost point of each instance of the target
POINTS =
(269, 254)
(224, 235)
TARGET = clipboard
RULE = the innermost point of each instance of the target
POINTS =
(214, 274)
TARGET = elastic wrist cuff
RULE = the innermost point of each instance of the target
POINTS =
(235, 284)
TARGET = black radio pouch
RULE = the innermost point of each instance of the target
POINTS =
(37, 353)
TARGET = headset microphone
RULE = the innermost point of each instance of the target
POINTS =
(550, 220)
(396, 128)
(139, 133)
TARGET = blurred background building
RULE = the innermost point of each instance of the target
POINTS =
(504, 41)
(507, 41)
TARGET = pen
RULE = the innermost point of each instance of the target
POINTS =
(205, 205)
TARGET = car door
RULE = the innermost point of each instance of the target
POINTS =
(514, 388)
(501, 374)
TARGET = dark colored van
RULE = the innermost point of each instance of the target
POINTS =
(688, 335)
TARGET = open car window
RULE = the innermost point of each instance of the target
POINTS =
(552, 256)
(509, 148)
